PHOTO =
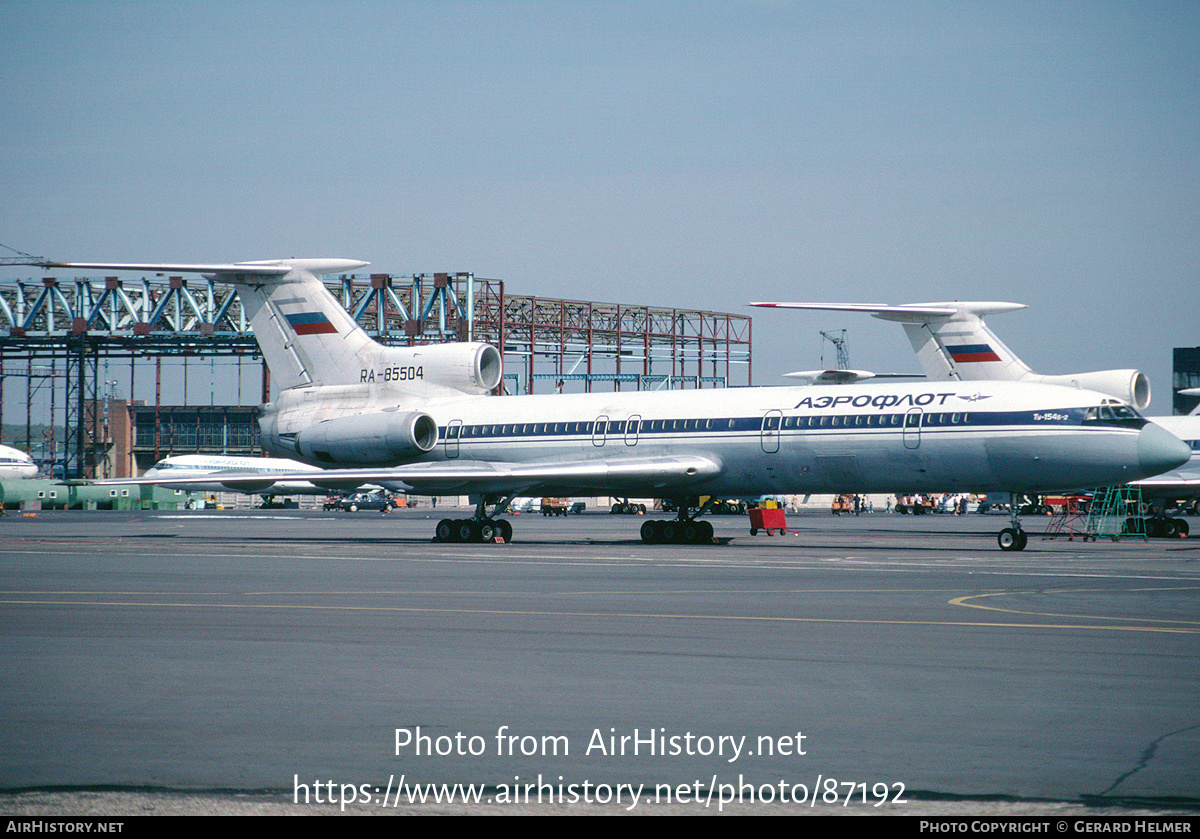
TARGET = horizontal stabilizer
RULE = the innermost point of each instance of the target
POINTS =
(906, 313)
(830, 377)
(263, 268)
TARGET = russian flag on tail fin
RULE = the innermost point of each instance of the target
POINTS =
(964, 353)
(311, 323)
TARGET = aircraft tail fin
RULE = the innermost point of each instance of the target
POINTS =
(308, 339)
(951, 339)
(953, 342)
(960, 345)
(306, 336)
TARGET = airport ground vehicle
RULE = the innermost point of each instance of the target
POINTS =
(916, 504)
(1067, 503)
(554, 507)
(366, 501)
(715, 506)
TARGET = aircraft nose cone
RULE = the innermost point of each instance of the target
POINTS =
(1160, 451)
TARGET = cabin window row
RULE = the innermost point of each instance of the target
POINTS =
(770, 423)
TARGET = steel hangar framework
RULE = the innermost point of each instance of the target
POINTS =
(60, 334)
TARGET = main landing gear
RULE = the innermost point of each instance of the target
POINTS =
(480, 528)
(684, 530)
(473, 530)
(1013, 538)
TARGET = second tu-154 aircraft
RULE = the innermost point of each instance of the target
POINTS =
(424, 416)
(953, 342)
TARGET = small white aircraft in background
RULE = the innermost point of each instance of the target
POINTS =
(424, 416)
(15, 463)
(211, 471)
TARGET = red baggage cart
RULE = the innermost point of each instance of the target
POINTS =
(768, 520)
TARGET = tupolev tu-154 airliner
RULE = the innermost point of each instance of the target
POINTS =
(424, 416)
(953, 342)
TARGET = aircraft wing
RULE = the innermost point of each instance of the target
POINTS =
(1183, 482)
(1185, 426)
(626, 475)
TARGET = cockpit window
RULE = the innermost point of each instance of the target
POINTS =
(1111, 412)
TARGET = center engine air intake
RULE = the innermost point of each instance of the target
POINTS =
(383, 439)
(468, 368)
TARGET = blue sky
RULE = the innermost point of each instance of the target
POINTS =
(674, 153)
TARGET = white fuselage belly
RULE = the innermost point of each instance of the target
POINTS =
(854, 438)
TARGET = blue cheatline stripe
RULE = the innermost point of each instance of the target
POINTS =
(841, 423)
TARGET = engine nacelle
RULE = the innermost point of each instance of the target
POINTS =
(387, 438)
(467, 368)
(1132, 386)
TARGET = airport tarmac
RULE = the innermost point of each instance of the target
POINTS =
(880, 663)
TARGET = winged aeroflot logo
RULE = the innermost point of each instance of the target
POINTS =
(973, 397)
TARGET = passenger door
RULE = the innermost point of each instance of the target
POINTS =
(770, 431)
(912, 428)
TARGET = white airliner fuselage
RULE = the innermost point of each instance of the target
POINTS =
(750, 441)
(423, 416)
(15, 463)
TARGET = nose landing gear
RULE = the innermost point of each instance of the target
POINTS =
(1013, 538)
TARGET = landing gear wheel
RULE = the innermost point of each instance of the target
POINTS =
(1011, 539)
(445, 530)
(706, 532)
(487, 531)
(466, 530)
(649, 534)
(504, 529)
